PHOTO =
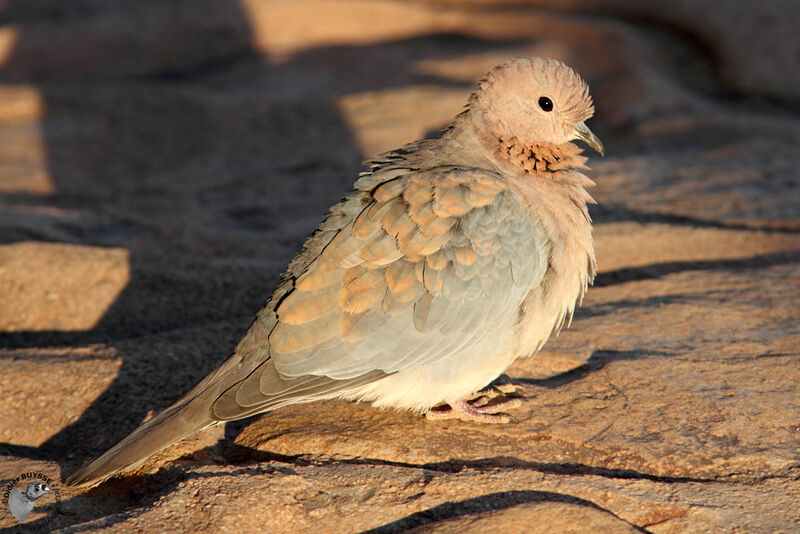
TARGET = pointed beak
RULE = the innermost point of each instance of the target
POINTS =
(583, 133)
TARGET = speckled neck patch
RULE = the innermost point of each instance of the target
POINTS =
(533, 158)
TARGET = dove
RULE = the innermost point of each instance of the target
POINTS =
(449, 259)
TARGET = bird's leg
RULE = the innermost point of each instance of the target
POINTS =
(479, 407)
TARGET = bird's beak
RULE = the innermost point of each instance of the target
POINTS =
(583, 133)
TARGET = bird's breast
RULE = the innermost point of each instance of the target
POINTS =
(560, 212)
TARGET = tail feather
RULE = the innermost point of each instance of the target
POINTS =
(190, 414)
(214, 400)
(156, 434)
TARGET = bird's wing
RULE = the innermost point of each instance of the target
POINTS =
(427, 264)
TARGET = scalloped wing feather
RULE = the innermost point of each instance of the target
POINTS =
(435, 255)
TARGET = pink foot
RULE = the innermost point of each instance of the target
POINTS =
(481, 409)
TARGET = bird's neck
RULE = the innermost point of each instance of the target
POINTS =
(531, 158)
(561, 163)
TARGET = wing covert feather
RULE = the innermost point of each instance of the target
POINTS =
(417, 272)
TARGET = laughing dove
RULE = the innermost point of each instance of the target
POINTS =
(450, 258)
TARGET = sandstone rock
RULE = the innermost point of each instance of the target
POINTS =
(534, 517)
(155, 180)
(58, 287)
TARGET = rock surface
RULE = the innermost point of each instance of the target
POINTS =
(161, 162)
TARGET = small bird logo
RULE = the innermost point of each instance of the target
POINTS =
(21, 503)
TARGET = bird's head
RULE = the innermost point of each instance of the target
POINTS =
(36, 490)
(536, 101)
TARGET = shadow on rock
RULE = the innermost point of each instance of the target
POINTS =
(481, 505)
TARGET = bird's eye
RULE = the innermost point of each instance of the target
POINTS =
(545, 103)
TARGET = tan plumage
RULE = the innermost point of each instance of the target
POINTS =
(449, 259)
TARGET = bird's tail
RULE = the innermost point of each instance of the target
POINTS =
(188, 415)
(154, 435)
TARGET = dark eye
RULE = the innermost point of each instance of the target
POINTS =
(545, 103)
